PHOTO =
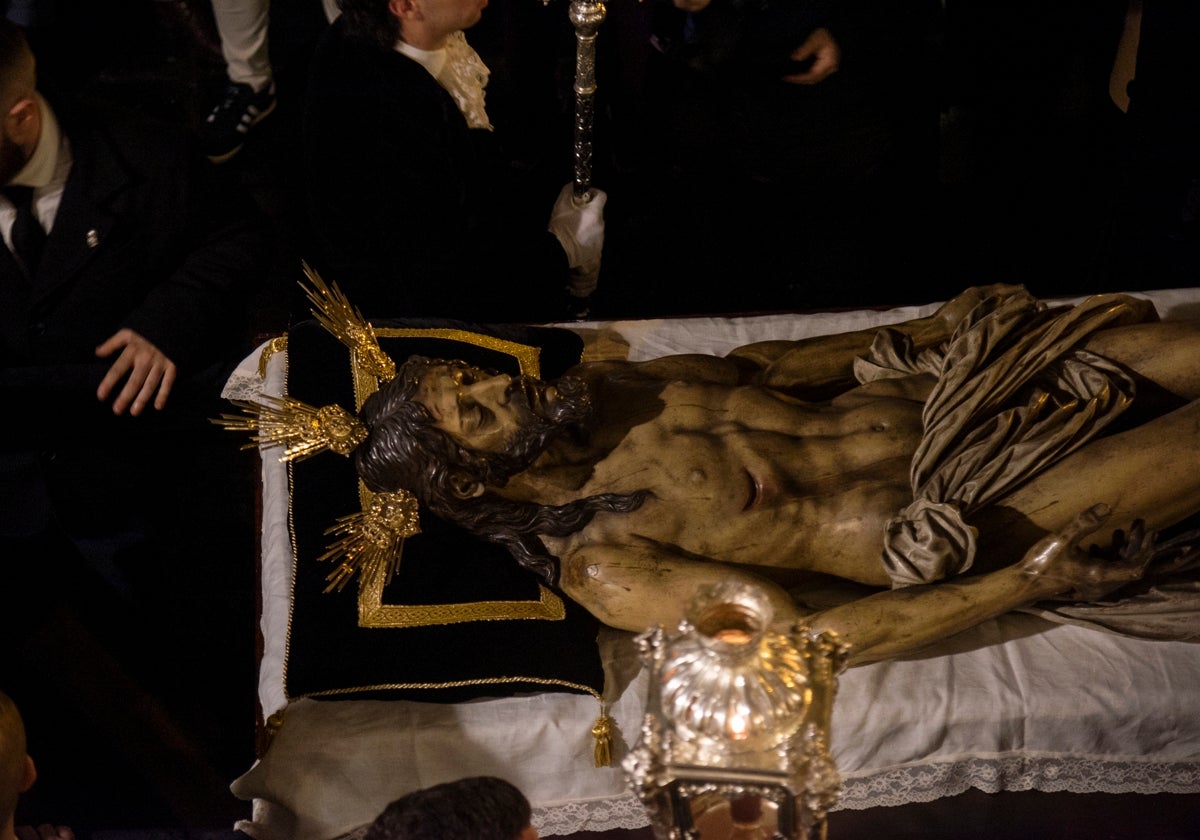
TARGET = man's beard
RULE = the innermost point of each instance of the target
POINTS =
(548, 420)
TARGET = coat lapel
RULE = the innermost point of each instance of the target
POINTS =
(14, 285)
(85, 215)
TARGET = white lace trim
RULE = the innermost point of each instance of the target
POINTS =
(925, 782)
(1048, 772)
(246, 381)
(243, 385)
(590, 815)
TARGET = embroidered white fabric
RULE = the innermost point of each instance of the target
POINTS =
(923, 783)
(926, 782)
(919, 784)
(624, 811)
(1048, 772)
(245, 383)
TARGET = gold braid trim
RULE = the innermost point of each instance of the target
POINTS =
(345, 323)
(373, 612)
(278, 344)
(528, 356)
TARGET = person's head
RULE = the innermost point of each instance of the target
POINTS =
(20, 112)
(17, 772)
(475, 808)
(423, 427)
(448, 431)
(422, 23)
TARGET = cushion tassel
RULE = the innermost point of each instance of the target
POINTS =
(602, 732)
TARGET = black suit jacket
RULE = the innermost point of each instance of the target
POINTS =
(148, 236)
(413, 213)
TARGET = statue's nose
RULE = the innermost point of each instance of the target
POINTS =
(496, 387)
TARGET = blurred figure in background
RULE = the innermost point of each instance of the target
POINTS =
(414, 211)
(17, 775)
(474, 808)
(126, 275)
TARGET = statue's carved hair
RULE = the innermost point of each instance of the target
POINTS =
(404, 449)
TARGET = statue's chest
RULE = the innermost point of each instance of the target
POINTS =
(693, 475)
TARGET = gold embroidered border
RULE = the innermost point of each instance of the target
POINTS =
(372, 612)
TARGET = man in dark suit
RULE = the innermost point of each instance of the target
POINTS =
(125, 282)
(414, 207)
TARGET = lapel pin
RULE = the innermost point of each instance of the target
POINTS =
(93, 238)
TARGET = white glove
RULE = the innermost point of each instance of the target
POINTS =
(580, 229)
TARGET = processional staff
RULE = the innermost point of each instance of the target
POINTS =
(586, 16)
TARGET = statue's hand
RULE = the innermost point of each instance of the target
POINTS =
(1080, 575)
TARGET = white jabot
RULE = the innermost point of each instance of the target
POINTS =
(460, 70)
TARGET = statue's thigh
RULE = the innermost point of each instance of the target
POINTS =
(1167, 353)
(1148, 472)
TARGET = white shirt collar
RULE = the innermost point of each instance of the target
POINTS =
(458, 69)
(432, 60)
(42, 166)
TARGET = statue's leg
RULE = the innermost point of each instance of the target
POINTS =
(1150, 472)
(1167, 353)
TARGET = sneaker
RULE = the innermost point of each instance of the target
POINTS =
(225, 128)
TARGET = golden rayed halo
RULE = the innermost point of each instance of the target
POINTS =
(336, 314)
(368, 541)
(303, 430)
(371, 538)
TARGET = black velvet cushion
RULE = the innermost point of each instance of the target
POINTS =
(444, 629)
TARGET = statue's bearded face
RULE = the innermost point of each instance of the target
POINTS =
(510, 418)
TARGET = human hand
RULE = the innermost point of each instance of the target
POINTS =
(44, 832)
(147, 372)
(1087, 576)
(826, 56)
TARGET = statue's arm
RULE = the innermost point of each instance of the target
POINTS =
(640, 584)
(823, 365)
(636, 585)
(902, 621)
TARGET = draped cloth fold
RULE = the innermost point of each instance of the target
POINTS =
(1015, 393)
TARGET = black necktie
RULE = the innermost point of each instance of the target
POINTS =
(28, 235)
